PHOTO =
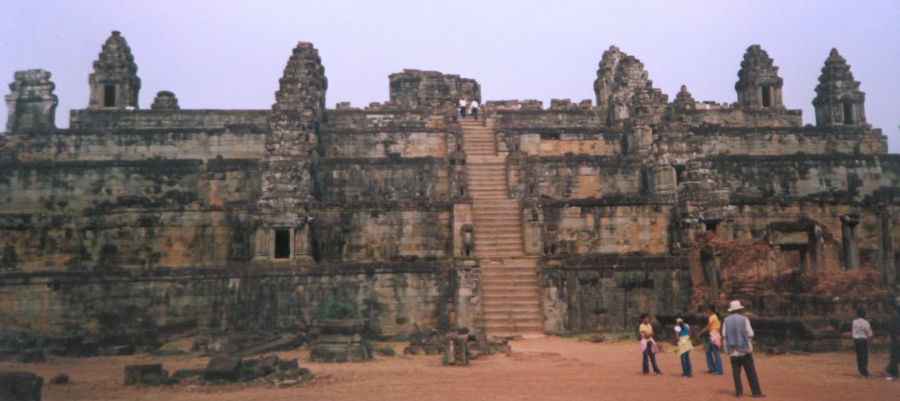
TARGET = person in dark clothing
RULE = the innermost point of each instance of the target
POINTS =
(894, 332)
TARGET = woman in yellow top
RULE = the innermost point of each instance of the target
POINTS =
(648, 345)
(714, 343)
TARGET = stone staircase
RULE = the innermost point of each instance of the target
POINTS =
(511, 295)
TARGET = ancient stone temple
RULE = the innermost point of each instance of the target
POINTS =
(139, 224)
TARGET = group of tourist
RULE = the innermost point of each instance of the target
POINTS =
(468, 107)
(734, 336)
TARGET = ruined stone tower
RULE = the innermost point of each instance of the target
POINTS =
(759, 85)
(291, 150)
(31, 102)
(114, 82)
(838, 101)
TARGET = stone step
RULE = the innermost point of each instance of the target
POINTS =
(500, 236)
(515, 328)
(493, 253)
(521, 307)
(513, 282)
(487, 241)
(492, 230)
(497, 219)
(523, 282)
(512, 288)
(499, 186)
(498, 210)
(503, 210)
(509, 265)
(496, 204)
(490, 273)
(518, 279)
(507, 250)
(511, 209)
(514, 297)
(496, 315)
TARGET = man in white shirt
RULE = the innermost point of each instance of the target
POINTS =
(462, 107)
(475, 109)
(861, 331)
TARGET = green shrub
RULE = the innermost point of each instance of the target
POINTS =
(338, 309)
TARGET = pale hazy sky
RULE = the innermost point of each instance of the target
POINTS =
(230, 54)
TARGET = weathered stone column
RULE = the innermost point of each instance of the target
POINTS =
(886, 245)
(302, 249)
(848, 231)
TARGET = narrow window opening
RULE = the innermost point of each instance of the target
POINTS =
(645, 182)
(766, 96)
(109, 96)
(849, 117)
(711, 225)
(282, 244)
(680, 173)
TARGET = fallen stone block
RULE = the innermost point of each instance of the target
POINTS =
(386, 351)
(596, 338)
(146, 374)
(255, 368)
(288, 364)
(223, 367)
(340, 353)
(301, 374)
(413, 350)
(118, 350)
(60, 379)
(456, 350)
(20, 386)
(277, 344)
(7, 353)
(32, 355)
(186, 373)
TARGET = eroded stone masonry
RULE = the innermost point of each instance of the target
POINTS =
(136, 225)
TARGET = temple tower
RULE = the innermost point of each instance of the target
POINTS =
(114, 82)
(31, 102)
(758, 85)
(838, 99)
(291, 148)
(624, 90)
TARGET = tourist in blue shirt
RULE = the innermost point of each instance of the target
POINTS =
(683, 333)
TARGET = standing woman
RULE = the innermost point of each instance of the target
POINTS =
(714, 345)
(648, 345)
(683, 333)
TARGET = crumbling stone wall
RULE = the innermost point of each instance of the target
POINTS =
(122, 307)
(120, 213)
(605, 292)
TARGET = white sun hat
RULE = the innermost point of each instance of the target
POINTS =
(735, 306)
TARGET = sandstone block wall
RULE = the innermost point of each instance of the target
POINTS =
(606, 292)
(145, 307)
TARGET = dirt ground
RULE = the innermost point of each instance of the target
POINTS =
(550, 368)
